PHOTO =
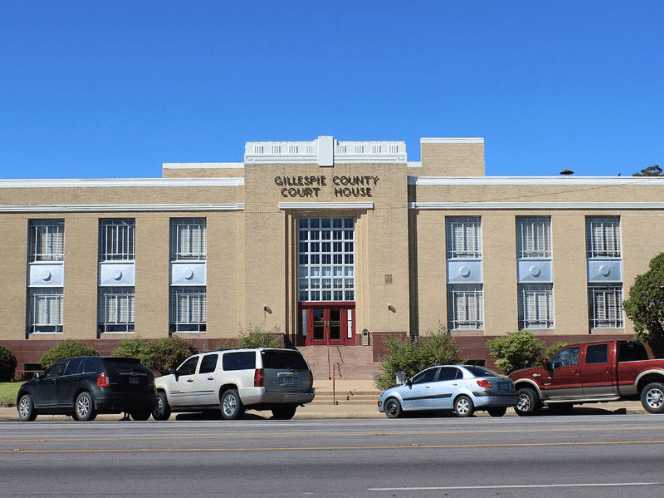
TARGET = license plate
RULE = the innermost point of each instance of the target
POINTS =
(287, 381)
(134, 380)
(504, 386)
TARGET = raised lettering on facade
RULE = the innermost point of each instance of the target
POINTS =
(310, 186)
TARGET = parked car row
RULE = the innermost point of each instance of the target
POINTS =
(226, 381)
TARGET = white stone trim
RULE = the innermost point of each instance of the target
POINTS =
(414, 164)
(479, 206)
(123, 182)
(452, 140)
(202, 165)
(326, 205)
(552, 181)
(113, 208)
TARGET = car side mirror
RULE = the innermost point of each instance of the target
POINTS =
(548, 365)
(409, 382)
(38, 375)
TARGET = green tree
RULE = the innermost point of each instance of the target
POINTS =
(257, 337)
(7, 365)
(66, 349)
(169, 353)
(410, 357)
(645, 306)
(520, 350)
(138, 348)
(654, 170)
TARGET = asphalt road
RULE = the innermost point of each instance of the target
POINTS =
(609, 455)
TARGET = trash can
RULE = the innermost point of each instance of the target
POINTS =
(365, 338)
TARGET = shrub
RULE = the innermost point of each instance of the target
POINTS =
(257, 337)
(136, 348)
(66, 349)
(7, 365)
(520, 350)
(411, 357)
(169, 353)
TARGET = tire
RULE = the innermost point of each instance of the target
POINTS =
(84, 407)
(161, 410)
(26, 409)
(393, 408)
(498, 411)
(284, 412)
(463, 406)
(527, 402)
(652, 397)
(141, 415)
(231, 405)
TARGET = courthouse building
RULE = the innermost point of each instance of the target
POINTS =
(327, 242)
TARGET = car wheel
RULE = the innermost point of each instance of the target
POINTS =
(393, 408)
(140, 415)
(84, 407)
(463, 406)
(231, 405)
(498, 411)
(527, 402)
(26, 409)
(284, 412)
(161, 410)
(652, 397)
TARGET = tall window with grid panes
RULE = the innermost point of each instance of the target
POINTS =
(326, 280)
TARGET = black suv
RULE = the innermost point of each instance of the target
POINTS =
(87, 385)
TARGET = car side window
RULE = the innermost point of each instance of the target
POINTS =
(74, 366)
(208, 363)
(631, 351)
(568, 357)
(448, 373)
(239, 361)
(188, 367)
(597, 353)
(91, 365)
(55, 370)
(426, 376)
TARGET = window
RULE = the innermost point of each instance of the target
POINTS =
(463, 237)
(283, 360)
(45, 309)
(465, 306)
(74, 366)
(597, 353)
(631, 351)
(566, 358)
(606, 306)
(188, 239)
(449, 373)
(326, 253)
(188, 367)
(188, 309)
(478, 371)
(209, 363)
(55, 370)
(92, 365)
(116, 309)
(426, 376)
(533, 236)
(535, 306)
(116, 240)
(603, 237)
(47, 240)
(239, 361)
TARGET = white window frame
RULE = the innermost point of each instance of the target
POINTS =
(117, 240)
(320, 280)
(187, 324)
(184, 227)
(612, 319)
(47, 240)
(543, 318)
(54, 320)
(122, 322)
(472, 295)
(533, 231)
(471, 229)
(603, 249)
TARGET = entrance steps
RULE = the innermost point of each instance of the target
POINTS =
(349, 363)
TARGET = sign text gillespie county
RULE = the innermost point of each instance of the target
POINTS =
(311, 186)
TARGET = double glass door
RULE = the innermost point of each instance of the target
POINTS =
(327, 324)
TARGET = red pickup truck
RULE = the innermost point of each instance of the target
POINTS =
(592, 373)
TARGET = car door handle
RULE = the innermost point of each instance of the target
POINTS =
(210, 378)
(455, 384)
(190, 380)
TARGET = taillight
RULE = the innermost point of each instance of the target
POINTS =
(102, 380)
(258, 377)
(484, 383)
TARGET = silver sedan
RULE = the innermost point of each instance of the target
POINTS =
(462, 389)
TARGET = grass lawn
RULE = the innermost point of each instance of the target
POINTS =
(8, 392)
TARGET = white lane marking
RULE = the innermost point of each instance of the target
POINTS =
(520, 486)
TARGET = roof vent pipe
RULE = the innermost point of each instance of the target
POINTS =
(567, 172)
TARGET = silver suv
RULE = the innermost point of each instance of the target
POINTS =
(234, 380)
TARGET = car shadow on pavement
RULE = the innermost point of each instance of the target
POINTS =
(213, 415)
(581, 410)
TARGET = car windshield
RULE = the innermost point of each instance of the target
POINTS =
(283, 359)
(479, 371)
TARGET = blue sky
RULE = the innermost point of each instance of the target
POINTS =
(96, 89)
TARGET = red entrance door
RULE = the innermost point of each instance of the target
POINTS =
(328, 323)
